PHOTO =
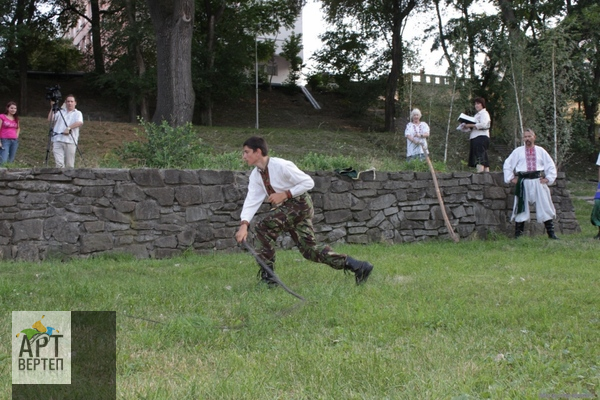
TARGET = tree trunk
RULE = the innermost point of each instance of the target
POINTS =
(139, 69)
(23, 15)
(173, 27)
(96, 39)
(443, 43)
(396, 78)
(206, 114)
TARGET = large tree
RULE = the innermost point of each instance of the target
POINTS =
(582, 22)
(23, 26)
(173, 22)
(130, 56)
(229, 35)
(75, 9)
(386, 19)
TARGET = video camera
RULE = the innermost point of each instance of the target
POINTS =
(53, 94)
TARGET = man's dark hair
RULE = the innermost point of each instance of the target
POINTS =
(256, 142)
(480, 100)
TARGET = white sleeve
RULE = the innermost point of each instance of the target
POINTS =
(300, 181)
(254, 199)
(509, 167)
(483, 120)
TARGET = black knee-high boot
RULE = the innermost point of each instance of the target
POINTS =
(550, 229)
(519, 228)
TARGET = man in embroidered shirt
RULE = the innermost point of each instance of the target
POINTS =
(286, 187)
(532, 169)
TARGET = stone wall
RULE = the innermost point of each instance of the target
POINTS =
(51, 212)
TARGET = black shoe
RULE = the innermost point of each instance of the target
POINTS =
(266, 278)
(519, 228)
(550, 229)
(597, 237)
(361, 269)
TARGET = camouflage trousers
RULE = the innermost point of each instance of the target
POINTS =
(295, 217)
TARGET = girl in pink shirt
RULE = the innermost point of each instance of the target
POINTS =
(9, 133)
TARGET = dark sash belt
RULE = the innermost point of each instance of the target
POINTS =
(520, 188)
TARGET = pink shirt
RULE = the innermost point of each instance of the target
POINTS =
(8, 129)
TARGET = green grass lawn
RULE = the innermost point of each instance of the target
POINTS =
(499, 319)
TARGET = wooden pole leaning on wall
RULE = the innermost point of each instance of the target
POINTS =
(438, 193)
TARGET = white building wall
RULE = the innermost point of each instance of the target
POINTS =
(281, 64)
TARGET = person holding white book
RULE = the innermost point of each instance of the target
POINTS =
(416, 133)
(479, 137)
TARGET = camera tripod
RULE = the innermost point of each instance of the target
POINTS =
(51, 133)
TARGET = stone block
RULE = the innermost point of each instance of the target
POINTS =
(391, 211)
(335, 235)
(29, 229)
(114, 227)
(340, 186)
(67, 232)
(146, 210)
(188, 195)
(165, 196)
(459, 212)
(166, 241)
(109, 214)
(147, 177)
(5, 229)
(209, 177)
(113, 174)
(358, 239)
(8, 201)
(29, 252)
(93, 182)
(362, 215)
(176, 177)
(337, 201)
(211, 194)
(337, 216)
(357, 230)
(93, 226)
(186, 238)
(94, 242)
(377, 219)
(204, 233)
(417, 215)
(129, 191)
(30, 186)
(494, 192)
(124, 206)
(194, 214)
(322, 184)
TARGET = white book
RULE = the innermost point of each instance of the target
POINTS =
(466, 119)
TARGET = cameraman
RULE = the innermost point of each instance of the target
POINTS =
(65, 136)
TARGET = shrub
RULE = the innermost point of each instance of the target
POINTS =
(163, 146)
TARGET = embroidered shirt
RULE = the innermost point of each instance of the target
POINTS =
(530, 159)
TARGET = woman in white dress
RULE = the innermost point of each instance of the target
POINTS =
(416, 133)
